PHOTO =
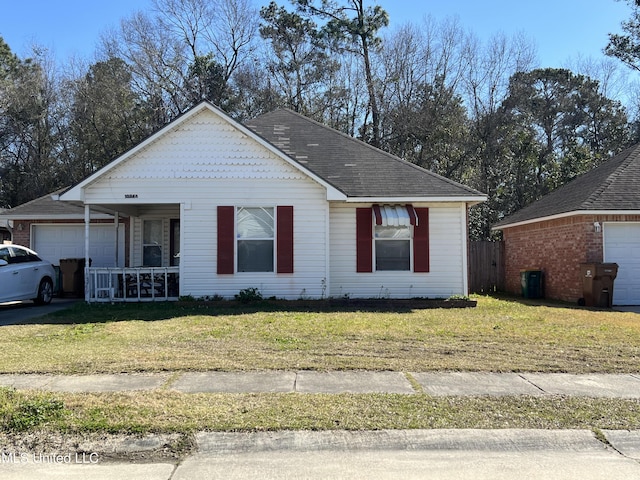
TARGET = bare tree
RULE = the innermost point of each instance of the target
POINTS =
(226, 29)
(485, 87)
(158, 61)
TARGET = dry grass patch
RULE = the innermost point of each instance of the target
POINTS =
(173, 412)
(497, 335)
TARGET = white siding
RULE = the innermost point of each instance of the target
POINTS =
(447, 274)
(202, 149)
(199, 166)
(199, 247)
(205, 162)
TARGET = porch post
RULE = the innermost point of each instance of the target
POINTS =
(87, 280)
(116, 220)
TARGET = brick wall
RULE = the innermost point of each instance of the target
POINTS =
(557, 247)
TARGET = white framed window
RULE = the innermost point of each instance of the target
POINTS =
(152, 231)
(392, 245)
(255, 236)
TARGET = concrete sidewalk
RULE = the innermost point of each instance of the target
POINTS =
(419, 454)
(436, 383)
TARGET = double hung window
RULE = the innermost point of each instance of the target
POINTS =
(392, 238)
(255, 237)
(393, 247)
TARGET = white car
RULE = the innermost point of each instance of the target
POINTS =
(24, 276)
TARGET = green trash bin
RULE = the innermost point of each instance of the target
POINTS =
(531, 281)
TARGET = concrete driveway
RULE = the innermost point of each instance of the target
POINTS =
(12, 313)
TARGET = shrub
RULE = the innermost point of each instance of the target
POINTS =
(248, 295)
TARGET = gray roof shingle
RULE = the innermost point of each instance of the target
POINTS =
(44, 207)
(353, 167)
(613, 186)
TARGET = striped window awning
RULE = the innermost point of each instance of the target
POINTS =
(394, 215)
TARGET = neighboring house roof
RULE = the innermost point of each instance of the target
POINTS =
(611, 187)
(352, 166)
(46, 208)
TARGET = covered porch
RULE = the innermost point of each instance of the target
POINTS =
(135, 284)
(149, 268)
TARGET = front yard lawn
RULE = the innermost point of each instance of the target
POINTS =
(498, 335)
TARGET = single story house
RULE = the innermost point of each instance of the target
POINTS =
(594, 218)
(282, 204)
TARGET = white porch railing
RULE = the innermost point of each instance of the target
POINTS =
(143, 284)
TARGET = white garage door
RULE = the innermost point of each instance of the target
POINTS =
(53, 242)
(622, 246)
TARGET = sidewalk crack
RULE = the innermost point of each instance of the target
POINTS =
(602, 438)
(173, 378)
(531, 383)
(417, 387)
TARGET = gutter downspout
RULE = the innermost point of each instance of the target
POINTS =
(465, 248)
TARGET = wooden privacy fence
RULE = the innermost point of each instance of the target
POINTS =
(486, 267)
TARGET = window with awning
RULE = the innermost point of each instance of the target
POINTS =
(396, 237)
(394, 215)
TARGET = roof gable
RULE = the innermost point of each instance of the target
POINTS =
(199, 130)
(205, 146)
(354, 167)
(612, 186)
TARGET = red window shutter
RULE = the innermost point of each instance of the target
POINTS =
(364, 240)
(421, 241)
(284, 238)
(226, 239)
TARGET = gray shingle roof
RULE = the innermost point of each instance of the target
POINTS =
(613, 186)
(44, 207)
(353, 167)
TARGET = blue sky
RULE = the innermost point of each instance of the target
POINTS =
(561, 29)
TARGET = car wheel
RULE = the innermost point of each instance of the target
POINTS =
(45, 292)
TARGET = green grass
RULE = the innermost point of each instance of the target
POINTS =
(174, 412)
(498, 335)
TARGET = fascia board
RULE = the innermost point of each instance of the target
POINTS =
(565, 215)
(74, 216)
(471, 199)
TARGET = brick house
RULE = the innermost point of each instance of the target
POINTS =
(594, 218)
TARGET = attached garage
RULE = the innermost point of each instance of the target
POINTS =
(56, 241)
(622, 246)
(55, 230)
